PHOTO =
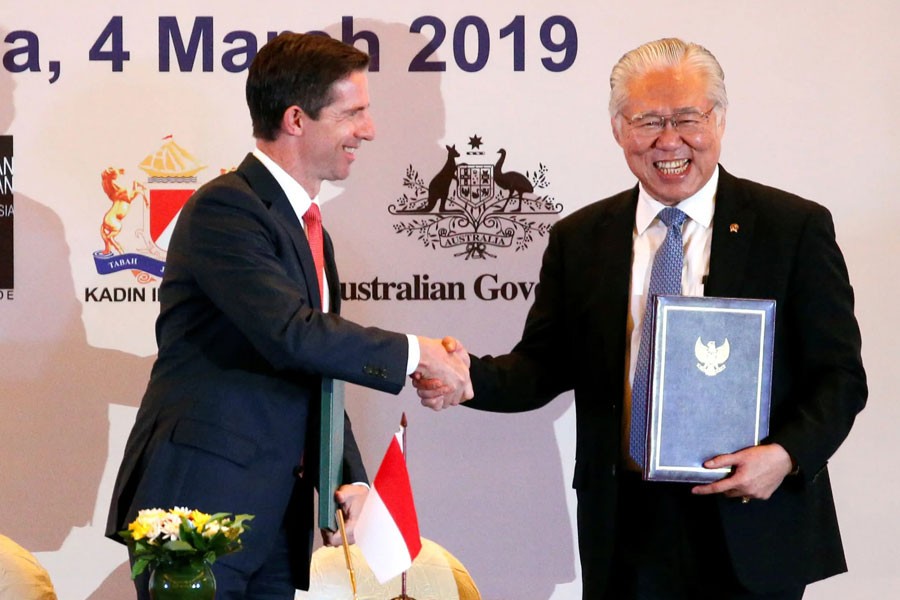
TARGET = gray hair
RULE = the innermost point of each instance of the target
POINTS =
(668, 52)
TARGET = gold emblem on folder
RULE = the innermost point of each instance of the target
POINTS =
(712, 358)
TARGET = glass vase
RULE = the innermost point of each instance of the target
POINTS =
(183, 580)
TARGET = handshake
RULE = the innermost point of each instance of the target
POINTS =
(442, 377)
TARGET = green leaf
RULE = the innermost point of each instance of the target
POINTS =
(140, 565)
(178, 546)
(218, 516)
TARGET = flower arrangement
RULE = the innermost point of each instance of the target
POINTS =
(159, 536)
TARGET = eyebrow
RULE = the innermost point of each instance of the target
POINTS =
(682, 109)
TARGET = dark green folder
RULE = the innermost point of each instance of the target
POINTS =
(331, 450)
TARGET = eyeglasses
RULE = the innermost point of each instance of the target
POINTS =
(686, 122)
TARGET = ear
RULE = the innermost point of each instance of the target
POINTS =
(721, 123)
(292, 120)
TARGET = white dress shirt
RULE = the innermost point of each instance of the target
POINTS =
(300, 202)
(649, 233)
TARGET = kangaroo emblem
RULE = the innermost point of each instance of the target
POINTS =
(439, 187)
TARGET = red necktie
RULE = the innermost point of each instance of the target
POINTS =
(313, 221)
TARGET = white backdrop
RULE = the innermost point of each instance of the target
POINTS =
(813, 94)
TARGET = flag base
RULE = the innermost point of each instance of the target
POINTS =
(403, 597)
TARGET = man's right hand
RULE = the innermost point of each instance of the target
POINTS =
(442, 376)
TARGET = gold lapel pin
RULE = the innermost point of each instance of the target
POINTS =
(734, 227)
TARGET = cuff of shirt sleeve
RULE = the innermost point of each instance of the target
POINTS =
(414, 354)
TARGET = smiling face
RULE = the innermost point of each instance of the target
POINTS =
(328, 144)
(670, 166)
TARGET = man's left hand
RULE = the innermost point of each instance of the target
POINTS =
(350, 499)
(756, 472)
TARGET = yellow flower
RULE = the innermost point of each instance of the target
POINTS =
(233, 532)
(147, 524)
(209, 536)
(138, 529)
(199, 518)
(211, 529)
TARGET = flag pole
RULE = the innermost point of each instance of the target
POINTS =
(340, 519)
(403, 595)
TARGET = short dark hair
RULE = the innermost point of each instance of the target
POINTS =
(296, 69)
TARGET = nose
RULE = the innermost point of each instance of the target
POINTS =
(366, 129)
(669, 137)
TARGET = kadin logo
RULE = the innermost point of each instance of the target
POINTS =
(140, 243)
(475, 207)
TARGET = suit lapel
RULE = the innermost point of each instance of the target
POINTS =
(271, 194)
(733, 224)
(334, 285)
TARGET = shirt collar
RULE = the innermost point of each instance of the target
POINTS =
(296, 194)
(699, 207)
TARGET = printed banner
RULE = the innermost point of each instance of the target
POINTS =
(491, 125)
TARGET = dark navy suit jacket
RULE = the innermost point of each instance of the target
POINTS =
(233, 398)
(574, 339)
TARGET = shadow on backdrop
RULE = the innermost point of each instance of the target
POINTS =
(56, 388)
(489, 488)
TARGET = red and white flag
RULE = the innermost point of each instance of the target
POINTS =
(387, 532)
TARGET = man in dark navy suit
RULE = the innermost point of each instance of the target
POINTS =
(768, 529)
(249, 326)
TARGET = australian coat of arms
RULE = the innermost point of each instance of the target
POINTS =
(476, 208)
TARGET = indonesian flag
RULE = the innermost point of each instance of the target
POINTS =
(387, 532)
